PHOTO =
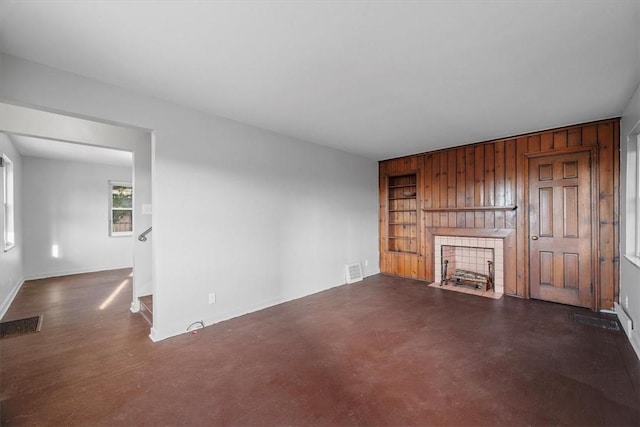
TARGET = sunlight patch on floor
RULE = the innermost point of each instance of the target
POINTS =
(114, 294)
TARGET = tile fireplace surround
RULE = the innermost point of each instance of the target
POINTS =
(470, 252)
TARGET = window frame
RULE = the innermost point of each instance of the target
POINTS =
(637, 197)
(112, 208)
(8, 203)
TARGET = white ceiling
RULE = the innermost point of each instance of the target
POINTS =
(377, 78)
(51, 149)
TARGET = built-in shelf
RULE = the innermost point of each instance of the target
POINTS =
(472, 209)
(402, 211)
(402, 185)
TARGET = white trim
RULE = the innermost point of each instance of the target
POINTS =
(135, 305)
(8, 203)
(72, 272)
(633, 260)
(156, 335)
(9, 300)
(637, 197)
(629, 328)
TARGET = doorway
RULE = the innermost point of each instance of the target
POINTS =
(562, 212)
(34, 123)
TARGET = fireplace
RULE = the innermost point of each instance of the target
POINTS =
(480, 255)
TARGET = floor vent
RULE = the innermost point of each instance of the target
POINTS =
(598, 322)
(354, 272)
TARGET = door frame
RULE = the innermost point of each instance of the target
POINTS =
(595, 216)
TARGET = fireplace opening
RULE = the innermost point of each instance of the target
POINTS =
(473, 279)
(467, 266)
(473, 265)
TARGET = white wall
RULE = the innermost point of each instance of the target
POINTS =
(11, 262)
(66, 204)
(629, 271)
(254, 216)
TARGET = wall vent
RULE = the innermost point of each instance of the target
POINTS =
(354, 272)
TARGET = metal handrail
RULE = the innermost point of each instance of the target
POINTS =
(143, 236)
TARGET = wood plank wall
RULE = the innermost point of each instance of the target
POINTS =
(491, 174)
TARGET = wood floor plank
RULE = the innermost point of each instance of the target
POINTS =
(384, 351)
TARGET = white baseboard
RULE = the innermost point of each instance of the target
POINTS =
(75, 271)
(158, 335)
(135, 306)
(629, 328)
(12, 295)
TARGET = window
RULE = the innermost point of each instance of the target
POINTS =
(632, 195)
(7, 203)
(120, 208)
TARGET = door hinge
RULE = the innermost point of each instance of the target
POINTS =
(591, 288)
(1, 162)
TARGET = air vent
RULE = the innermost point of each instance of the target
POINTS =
(354, 272)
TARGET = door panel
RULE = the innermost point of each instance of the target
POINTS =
(560, 258)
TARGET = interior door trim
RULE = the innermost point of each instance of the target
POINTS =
(595, 215)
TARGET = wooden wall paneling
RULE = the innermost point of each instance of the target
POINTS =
(574, 137)
(499, 192)
(428, 190)
(435, 187)
(606, 242)
(546, 141)
(469, 182)
(510, 182)
(382, 216)
(444, 186)
(590, 135)
(423, 190)
(478, 192)
(460, 193)
(451, 187)
(510, 271)
(489, 183)
(414, 260)
(560, 139)
(522, 235)
(490, 174)
(533, 144)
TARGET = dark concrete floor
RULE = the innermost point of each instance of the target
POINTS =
(385, 351)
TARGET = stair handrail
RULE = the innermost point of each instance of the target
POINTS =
(143, 237)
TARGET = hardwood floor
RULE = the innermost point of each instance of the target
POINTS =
(385, 351)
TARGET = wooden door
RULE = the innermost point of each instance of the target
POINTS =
(560, 224)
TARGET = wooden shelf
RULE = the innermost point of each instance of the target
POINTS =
(472, 209)
(402, 186)
(403, 210)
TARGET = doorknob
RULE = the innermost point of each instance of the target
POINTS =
(534, 237)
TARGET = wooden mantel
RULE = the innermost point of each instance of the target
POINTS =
(472, 209)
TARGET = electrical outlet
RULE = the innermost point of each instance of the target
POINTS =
(626, 302)
(212, 298)
(366, 262)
